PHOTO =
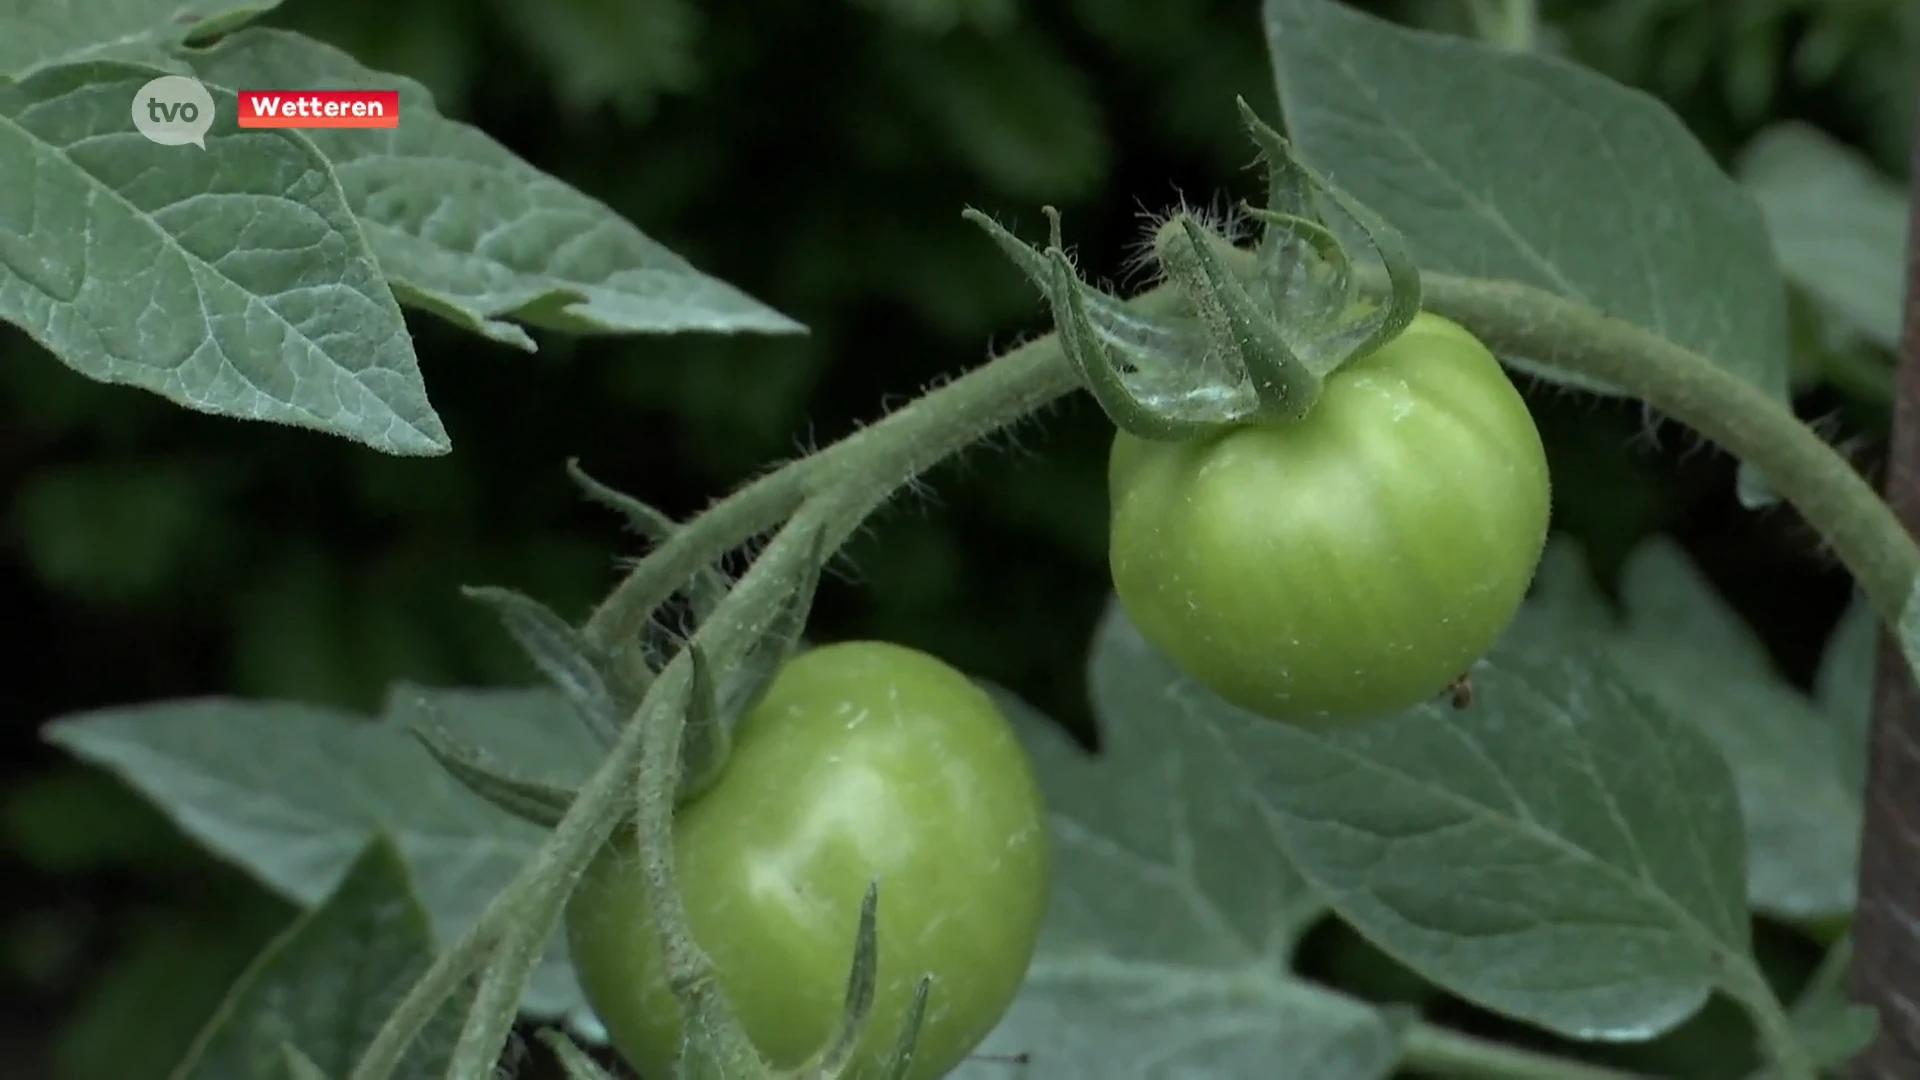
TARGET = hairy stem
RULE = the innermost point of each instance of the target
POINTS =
(689, 972)
(751, 510)
(428, 993)
(1443, 1054)
(941, 423)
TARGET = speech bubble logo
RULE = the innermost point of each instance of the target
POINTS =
(173, 110)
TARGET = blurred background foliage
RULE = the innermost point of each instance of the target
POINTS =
(818, 156)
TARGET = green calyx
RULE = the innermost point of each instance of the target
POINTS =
(1246, 340)
(604, 687)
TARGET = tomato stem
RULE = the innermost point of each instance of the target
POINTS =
(429, 992)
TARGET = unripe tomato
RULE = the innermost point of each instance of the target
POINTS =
(1348, 564)
(864, 760)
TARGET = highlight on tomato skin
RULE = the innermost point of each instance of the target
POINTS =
(1349, 564)
(864, 760)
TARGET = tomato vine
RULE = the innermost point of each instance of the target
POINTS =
(832, 492)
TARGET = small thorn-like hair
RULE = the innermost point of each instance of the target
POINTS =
(1221, 215)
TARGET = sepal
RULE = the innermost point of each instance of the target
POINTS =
(532, 801)
(1254, 334)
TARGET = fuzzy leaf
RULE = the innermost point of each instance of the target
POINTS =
(1838, 225)
(232, 280)
(1844, 689)
(292, 793)
(48, 33)
(327, 984)
(1562, 851)
(1680, 644)
(467, 231)
(1527, 167)
(1833, 1026)
(1168, 945)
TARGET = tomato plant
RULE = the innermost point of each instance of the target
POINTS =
(1638, 841)
(864, 760)
(1350, 563)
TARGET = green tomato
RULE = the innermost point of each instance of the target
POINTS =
(864, 760)
(1348, 564)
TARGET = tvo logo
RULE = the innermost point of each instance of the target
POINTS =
(173, 110)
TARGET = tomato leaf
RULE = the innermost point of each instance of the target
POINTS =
(1174, 916)
(1680, 644)
(48, 35)
(327, 984)
(1563, 851)
(1838, 225)
(275, 307)
(1832, 1025)
(291, 793)
(514, 243)
(1843, 687)
(1528, 167)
